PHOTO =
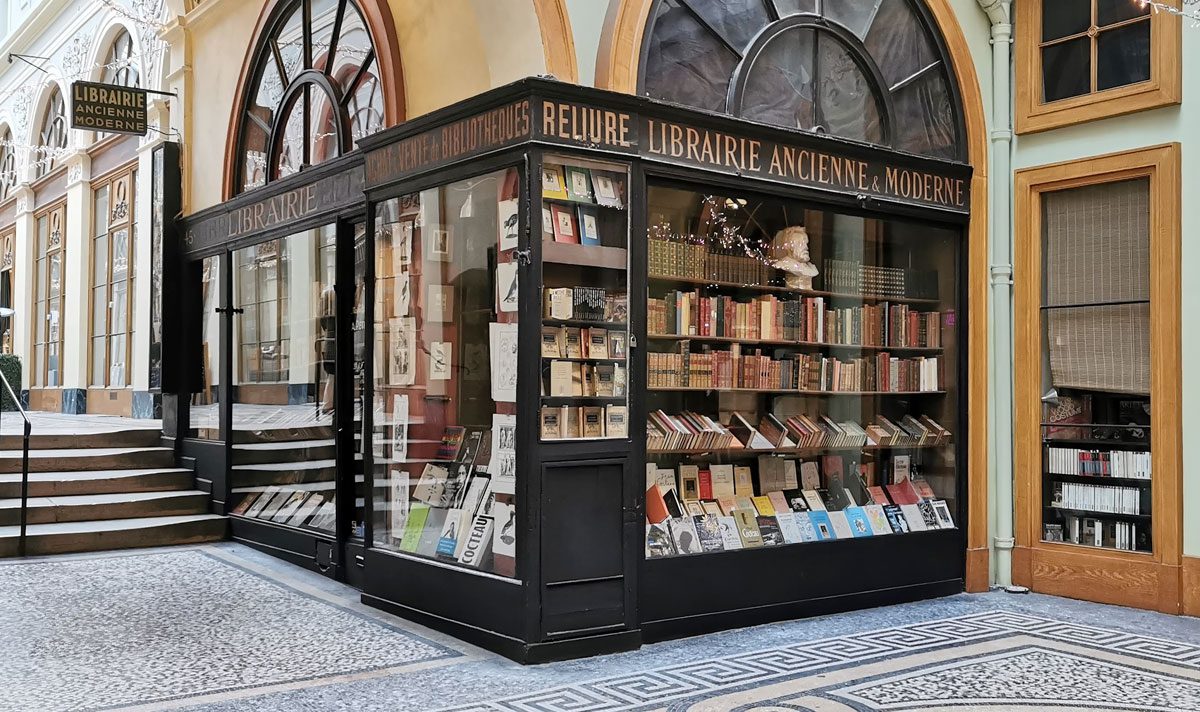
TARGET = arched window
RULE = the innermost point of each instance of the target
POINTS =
(120, 66)
(52, 136)
(8, 165)
(315, 89)
(869, 70)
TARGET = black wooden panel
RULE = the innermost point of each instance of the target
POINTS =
(581, 520)
(576, 608)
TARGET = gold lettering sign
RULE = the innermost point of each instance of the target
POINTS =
(472, 136)
(108, 107)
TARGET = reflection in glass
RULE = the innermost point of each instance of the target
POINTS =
(204, 421)
(443, 446)
(687, 63)
(898, 43)
(737, 21)
(779, 89)
(925, 112)
(856, 15)
(1063, 18)
(1066, 69)
(1123, 56)
(848, 105)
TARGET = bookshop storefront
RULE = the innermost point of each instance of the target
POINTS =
(560, 370)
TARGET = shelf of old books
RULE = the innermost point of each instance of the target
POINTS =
(444, 420)
(1096, 470)
(801, 375)
(585, 307)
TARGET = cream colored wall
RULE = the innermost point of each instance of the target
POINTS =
(449, 50)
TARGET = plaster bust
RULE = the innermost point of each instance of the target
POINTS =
(790, 248)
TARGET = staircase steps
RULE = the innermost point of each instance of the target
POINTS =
(120, 505)
(96, 535)
(83, 459)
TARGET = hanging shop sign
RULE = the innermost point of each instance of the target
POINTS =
(661, 134)
(108, 107)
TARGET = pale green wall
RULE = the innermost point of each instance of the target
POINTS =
(1149, 128)
(587, 21)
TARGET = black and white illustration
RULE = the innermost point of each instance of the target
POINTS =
(509, 221)
(502, 340)
(440, 355)
(402, 352)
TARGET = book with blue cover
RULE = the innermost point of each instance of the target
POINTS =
(859, 524)
(822, 524)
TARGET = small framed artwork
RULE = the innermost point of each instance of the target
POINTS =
(507, 290)
(553, 184)
(439, 360)
(440, 243)
(589, 225)
(616, 344)
(439, 303)
(607, 190)
(547, 225)
(508, 220)
(565, 229)
(402, 234)
(579, 184)
(402, 349)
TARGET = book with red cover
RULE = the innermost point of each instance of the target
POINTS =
(903, 493)
(452, 441)
(656, 506)
(566, 229)
(706, 490)
(878, 495)
(831, 466)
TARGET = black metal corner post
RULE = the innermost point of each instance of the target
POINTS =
(529, 329)
(343, 391)
(635, 487)
(225, 389)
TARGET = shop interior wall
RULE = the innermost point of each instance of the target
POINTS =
(1139, 130)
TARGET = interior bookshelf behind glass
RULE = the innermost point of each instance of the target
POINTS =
(585, 302)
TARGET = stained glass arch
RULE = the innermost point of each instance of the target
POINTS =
(314, 88)
(869, 70)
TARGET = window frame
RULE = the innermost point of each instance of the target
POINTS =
(8, 241)
(113, 226)
(40, 334)
(1164, 88)
(54, 128)
(279, 299)
(1033, 557)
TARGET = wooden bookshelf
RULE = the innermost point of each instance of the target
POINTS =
(1092, 514)
(785, 342)
(577, 400)
(583, 323)
(568, 253)
(779, 289)
(585, 359)
(1101, 480)
(574, 203)
(748, 452)
(789, 391)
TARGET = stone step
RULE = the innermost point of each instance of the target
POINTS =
(76, 460)
(287, 451)
(89, 507)
(62, 484)
(68, 537)
(134, 437)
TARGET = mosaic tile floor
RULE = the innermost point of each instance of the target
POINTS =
(223, 628)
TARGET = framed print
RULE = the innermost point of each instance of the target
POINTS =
(507, 290)
(547, 225)
(508, 220)
(553, 184)
(440, 243)
(401, 294)
(402, 236)
(579, 184)
(589, 225)
(565, 229)
(616, 344)
(402, 353)
(399, 428)
(607, 190)
(440, 353)
(439, 303)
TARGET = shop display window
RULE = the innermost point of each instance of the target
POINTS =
(445, 386)
(585, 301)
(803, 374)
(1095, 327)
(204, 420)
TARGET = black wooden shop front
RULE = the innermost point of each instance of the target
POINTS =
(382, 285)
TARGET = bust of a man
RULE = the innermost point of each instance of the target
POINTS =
(790, 248)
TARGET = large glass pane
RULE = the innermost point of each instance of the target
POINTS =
(354, 44)
(1067, 69)
(1109, 12)
(898, 43)
(848, 105)
(779, 88)
(203, 417)
(291, 146)
(738, 21)
(794, 7)
(100, 260)
(925, 118)
(100, 207)
(1123, 56)
(100, 311)
(1095, 371)
(323, 136)
(99, 362)
(284, 451)
(1063, 18)
(801, 368)
(290, 45)
(686, 63)
(856, 15)
(324, 16)
(444, 439)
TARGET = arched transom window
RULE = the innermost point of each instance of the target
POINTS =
(869, 70)
(8, 165)
(52, 136)
(315, 89)
(120, 64)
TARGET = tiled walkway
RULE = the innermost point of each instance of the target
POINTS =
(224, 628)
(62, 424)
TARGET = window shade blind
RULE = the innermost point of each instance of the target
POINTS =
(1097, 251)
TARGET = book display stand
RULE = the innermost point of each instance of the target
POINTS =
(633, 371)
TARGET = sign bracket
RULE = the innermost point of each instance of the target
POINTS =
(26, 57)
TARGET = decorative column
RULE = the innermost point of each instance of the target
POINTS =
(77, 282)
(24, 254)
